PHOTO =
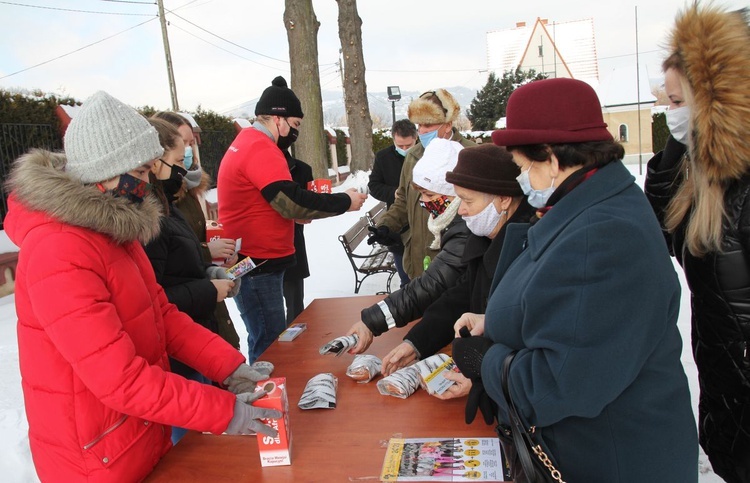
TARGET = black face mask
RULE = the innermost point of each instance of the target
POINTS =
(131, 188)
(285, 141)
(171, 186)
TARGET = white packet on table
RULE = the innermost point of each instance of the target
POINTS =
(401, 383)
(320, 392)
(364, 368)
(339, 345)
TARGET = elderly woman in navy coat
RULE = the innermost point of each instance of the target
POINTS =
(588, 297)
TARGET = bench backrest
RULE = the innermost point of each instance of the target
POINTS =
(376, 213)
(354, 235)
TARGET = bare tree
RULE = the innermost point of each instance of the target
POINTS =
(355, 88)
(302, 32)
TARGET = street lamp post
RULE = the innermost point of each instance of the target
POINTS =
(394, 94)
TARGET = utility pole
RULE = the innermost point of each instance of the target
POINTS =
(170, 73)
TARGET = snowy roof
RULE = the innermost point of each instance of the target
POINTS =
(242, 122)
(574, 44)
(70, 110)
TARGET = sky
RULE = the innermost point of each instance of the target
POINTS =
(225, 52)
(331, 276)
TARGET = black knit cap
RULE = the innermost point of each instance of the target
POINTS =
(486, 168)
(279, 100)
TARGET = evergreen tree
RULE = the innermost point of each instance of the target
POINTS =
(490, 103)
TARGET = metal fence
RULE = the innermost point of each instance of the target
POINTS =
(17, 139)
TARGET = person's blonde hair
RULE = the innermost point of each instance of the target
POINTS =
(699, 201)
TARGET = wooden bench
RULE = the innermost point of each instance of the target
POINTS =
(375, 213)
(364, 264)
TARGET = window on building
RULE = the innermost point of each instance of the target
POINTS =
(623, 133)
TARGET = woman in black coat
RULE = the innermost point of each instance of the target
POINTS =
(190, 283)
(699, 187)
(485, 180)
(438, 197)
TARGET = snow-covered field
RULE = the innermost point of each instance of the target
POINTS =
(331, 276)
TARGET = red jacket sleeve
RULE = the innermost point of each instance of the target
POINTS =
(71, 285)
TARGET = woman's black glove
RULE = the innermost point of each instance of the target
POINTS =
(468, 352)
(383, 236)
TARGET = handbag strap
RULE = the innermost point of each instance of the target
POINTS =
(521, 437)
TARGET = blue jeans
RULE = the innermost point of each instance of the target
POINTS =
(398, 260)
(261, 306)
(177, 432)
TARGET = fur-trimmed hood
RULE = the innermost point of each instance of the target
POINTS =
(39, 183)
(714, 46)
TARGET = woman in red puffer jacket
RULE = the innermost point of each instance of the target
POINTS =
(94, 327)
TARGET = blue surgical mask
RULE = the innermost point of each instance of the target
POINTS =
(427, 138)
(400, 151)
(188, 161)
(536, 198)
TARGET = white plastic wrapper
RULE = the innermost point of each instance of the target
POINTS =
(339, 345)
(401, 383)
(320, 392)
(431, 372)
(364, 368)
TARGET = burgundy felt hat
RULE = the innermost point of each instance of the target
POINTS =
(553, 111)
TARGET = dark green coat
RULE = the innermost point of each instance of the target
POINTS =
(589, 298)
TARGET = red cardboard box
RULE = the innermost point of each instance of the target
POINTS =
(319, 185)
(275, 451)
(214, 231)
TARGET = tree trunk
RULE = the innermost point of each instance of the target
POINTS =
(302, 32)
(355, 88)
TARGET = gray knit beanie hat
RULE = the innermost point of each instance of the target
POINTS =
(106, 138)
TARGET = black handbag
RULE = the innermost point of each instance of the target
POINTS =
(526, 458)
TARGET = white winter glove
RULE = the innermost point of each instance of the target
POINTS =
(245, 419)
(219, 273)
(245, 378)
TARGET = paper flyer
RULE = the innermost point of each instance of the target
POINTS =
(242, 267)
(443, 459)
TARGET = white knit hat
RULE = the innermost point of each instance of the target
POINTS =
(440, 156)
(106, 138)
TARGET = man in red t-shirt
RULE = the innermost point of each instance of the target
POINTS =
(258, 202)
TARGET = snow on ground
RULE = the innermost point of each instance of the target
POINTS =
(331, 276)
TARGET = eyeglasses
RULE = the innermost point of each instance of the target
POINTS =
(433, 95)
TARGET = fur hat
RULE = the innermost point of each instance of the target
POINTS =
(106, 138)
(714, 49)
(440, 156)
(279, 100)
(488, 169)
(553, 111)
(434, 107)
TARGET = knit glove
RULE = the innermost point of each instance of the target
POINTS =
(468, 352)
(245, 418)
(383, 236)
(215, 273)
(245, 378)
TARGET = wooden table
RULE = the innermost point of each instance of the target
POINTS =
(336, 445)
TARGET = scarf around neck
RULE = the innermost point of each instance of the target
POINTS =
(438, 224)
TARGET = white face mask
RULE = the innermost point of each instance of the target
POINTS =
(484, 222)
(678, 122)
